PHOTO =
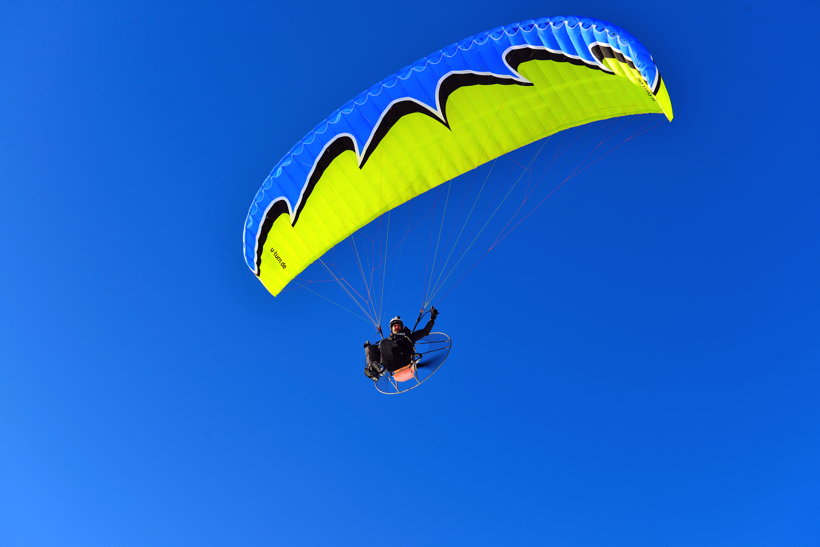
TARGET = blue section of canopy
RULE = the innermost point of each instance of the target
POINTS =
(479, 54)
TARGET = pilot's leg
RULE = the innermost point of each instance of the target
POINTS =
(386, 349)
(372, 368)
(371, 353)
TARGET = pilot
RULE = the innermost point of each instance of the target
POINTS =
(395, 351)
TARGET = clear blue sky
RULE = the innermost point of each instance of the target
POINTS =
(648, 375)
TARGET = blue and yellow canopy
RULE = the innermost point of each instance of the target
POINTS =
(436, 119)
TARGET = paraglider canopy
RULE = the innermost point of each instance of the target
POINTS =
(442, 116)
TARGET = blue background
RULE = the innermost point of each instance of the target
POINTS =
(647, 377)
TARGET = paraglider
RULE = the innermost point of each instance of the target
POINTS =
(428, 357)
(406, 358)
(435, 119)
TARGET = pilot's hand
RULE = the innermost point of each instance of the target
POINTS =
(433, 313)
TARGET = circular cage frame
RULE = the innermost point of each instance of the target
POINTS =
(428, 359)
